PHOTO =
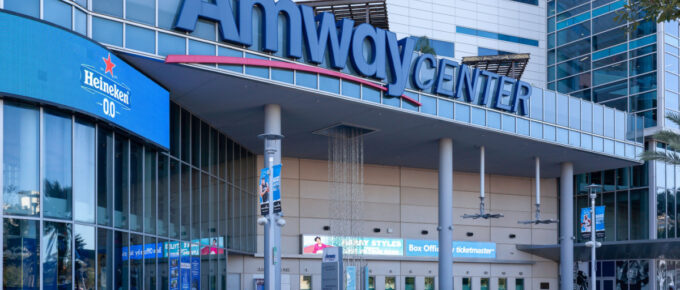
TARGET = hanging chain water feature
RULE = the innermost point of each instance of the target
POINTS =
(538, 219)
(482, 213)
(346, 177)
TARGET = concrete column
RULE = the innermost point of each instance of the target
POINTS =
(567, 226)
(445, 213)
(272, 231)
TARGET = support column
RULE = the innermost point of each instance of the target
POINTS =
(445, 213)
(272, 231)
(567, 226)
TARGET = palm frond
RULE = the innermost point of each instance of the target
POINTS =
(671, 139)
(673, 117)
(669, 157)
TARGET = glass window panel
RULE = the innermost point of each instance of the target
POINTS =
(522, 126)
(58, 12)
(429, 105)
(536, 130)
(644, 27)
(671, 63)
(122, 265)
(201, 48)
(143, 11)
(85, 254)
(185, 230)
(141, 39)
(644, 101)
(196, 204)
(174, 129)
(620, 129)
(549, 132)
(84, 165)
(445, 109)
(150, 191)
(167, 10)
(536, 102)
(493, 119)
(568, 4)
(578, 48)
(508, 123)
(136, 200)
(175, 200)
(206, 207)
(205, 146)
(163, 222)
(643, 51)
(57, 166)
(110, 7)
(572, 12)
(574, 113)
(646, 64)
(574, 83)
(186, 136)
(643, 83)
(572, 33)
(562, 136)
(21, 159)
(162, 255)
(462, 113)
(390, 283)
(80, 22)
(170, 44)
(670, 209)
(151, 248)
(562, 110)
(608, 122)
(549, 106)
(573, 66)
(609, 202)
(609, 38)
(27, 7)
(610, 91)
(609, 60)
(605, 22)
(484, 284)
(478, 116)
(122, 184)
(369, 94)
(586, 116)
(136, 257)
(467, 283)
(104, 176)
(56, 258)
(598, 121)
(107, 31)
(610, 73)
(586, 141)
(21, 268)
(195, 141)
(661, 215)
(671, 82)
(574, 138)
(105, 258)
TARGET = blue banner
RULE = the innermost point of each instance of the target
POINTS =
(264, 191)
(430, 248)
(80, 74)
(276, 188)
(351, 278)
(586, 222)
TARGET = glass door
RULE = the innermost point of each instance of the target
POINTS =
(410, 283)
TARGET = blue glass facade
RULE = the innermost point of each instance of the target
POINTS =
(591, 56)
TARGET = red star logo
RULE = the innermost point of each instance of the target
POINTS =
(109, 65)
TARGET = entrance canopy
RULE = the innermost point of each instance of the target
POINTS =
(231, 98)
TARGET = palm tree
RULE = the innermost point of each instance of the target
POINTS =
(672, 140)
(423, 45)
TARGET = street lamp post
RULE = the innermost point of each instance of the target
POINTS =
(593, 244)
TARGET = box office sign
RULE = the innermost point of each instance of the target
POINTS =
(313, 244)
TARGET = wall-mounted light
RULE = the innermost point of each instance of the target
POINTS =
(376, 230)
(424, 232)
(469, 234)
(326, 228)
(512, 236)
(389, 230)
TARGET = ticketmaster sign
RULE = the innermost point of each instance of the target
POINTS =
(313, 244)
